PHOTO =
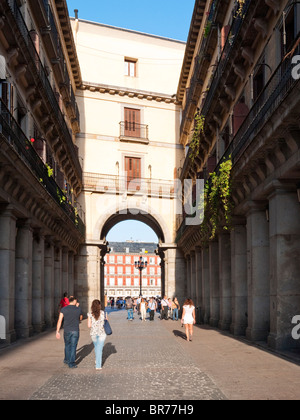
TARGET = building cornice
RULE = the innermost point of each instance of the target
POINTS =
(190, 47)
(63, 14)
(131, 93)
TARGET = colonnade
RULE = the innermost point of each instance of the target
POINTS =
(35, 270)
(248, 281)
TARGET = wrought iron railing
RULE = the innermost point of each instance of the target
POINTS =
(13, 133)
(125, 184)
(274, 93)
(198, 61)
(132, 129)
(43, 78)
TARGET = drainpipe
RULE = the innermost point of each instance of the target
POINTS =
(76, 25)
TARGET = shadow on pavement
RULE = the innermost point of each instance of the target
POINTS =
(108, 350)
(83, 352)
(180, 334)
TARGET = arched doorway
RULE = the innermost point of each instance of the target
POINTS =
(143, 218)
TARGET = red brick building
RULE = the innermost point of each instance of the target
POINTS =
(123, 279)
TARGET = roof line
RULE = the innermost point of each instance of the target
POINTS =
(130, 30)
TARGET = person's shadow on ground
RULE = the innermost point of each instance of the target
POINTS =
(108, 350)
(179, 334)
(83, 352)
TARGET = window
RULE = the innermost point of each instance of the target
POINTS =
(133, 172)
(120, 270)
(130, 67)
(132, 119)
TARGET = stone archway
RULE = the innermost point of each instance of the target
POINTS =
(137, 215)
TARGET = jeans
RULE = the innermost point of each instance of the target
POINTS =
(71, 340)
(152, 315)
(175, 312)
(130, 313)
(98, 342)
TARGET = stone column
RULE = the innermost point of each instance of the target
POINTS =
(188, 276)
(87, 285)
(284, 212)
(38, 286)
(65, 270)
(175, 278)
(214, 283)
(71, 273)
(49, 282)
(205, 307)
(198, 282)
(239, 278)
(58, 289)
(258, 273)
(23, 291)
(7, 271)
(193, 276)
(225, 281)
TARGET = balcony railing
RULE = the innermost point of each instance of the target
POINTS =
(275, 92)
(133, 131)
(43, 79)
(18, 140)
(122, 184)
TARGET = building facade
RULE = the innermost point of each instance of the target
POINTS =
(122, 279)
(40, 172)
(129, 142)
(239, 90)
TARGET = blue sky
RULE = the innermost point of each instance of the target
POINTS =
(167, 18)
(131, 230)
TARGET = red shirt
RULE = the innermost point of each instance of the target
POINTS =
(64, 302)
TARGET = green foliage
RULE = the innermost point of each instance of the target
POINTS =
(217, 202)
(198, 131)
(50, 170)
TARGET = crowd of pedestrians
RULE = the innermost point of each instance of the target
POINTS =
(70, 316)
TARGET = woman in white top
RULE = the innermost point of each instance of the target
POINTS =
(188, 318)
(96, 324)
(143, 309)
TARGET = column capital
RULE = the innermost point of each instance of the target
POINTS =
(253, 206)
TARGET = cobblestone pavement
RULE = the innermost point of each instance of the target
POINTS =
(141, 361)
(148, 361)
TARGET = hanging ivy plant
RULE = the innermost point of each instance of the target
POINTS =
(198, 131)
(217, 202)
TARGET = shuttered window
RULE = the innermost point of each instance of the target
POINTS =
(132, 122)
(133, 170)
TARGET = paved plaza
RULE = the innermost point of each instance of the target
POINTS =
(148, 361)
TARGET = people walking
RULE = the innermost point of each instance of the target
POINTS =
(71, 315)
(164, 308)
(129, 307)
(188, 318)
(176, 308)
(152, 306)
(143, 309)
(96, 320)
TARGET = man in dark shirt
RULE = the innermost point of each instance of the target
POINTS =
(71, 315)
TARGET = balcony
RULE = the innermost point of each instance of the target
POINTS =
(46, 22)
(133, 132)
(114, 184)
(14, 135)
(40, 92)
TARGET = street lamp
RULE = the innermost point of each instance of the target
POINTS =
(140, 265)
